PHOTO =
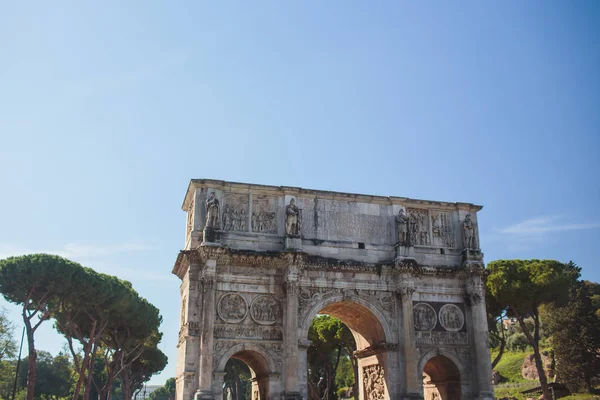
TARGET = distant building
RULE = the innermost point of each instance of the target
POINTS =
(145, 392)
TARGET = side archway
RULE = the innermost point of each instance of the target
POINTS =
(262, 368)
(443, 376)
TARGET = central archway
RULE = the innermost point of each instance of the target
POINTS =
(371, 333)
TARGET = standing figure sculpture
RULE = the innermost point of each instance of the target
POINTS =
(469, 233)
(292, 215)
(402, 227)
(212, 212)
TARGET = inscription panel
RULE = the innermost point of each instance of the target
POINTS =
(351, 221)
(258, 332)
(436, 338)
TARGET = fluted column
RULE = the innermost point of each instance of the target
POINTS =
(290, 338)
(413, 384)
(207, 283)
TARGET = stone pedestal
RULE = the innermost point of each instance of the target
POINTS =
(211, 235)
(293, 243)
(405, 253)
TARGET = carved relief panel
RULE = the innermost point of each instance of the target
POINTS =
(440, 324)
(418, 226)
(235, 213)
(265, 310)
(248, 316)
(424, 317)
(452, 318)
(264, 215)
(442, 229)
(374, 382)
(232, 308)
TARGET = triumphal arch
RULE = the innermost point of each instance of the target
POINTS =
(260, 262)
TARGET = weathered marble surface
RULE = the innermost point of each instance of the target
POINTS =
(251, 291)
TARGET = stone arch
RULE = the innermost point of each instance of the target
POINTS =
(371, 331)
(339, 304)
(261, 365)
(442, 352)
(443, 376)
(256, 357)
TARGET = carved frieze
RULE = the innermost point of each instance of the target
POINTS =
(263, 219)
(424, 317)
(442, 229)
(235, 215)
(248, 332)
(374, 382)
(265, 310)
(434, 338)
(232, 308)
(310, 296)
(418, 226)
(451, 318)
(190, 328)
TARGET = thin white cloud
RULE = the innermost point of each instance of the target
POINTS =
(545, 224)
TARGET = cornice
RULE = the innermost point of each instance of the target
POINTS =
(322, 194)
(305, 262)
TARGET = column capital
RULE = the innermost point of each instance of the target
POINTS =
(405, 292)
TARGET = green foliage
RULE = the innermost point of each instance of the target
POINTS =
(575, 331)
(344, 376)
(38, 282)
(510, 365)
(54, 376)
(103, 313)
(167, 392)
(517, 342)
(522, 286)
(331, 341)
(8, 346)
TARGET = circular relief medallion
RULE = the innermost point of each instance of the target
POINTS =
(232, 308)
(424, 316)
(452, 318)
(264, 310)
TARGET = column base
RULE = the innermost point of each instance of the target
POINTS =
(485, 396)
(413, 396)
(204, 395)
(291, 396)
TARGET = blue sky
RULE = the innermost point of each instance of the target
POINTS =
(108, 109)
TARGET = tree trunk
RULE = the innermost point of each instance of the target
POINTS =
(32, 357)
(355, 370)
(538, 359)
(500, 353)
(502, 338)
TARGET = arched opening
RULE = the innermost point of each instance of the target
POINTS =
(245, 375)
(441, 379)
(369, 358)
